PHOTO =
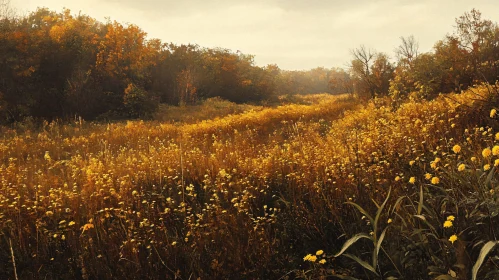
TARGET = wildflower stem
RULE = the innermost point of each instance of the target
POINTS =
(13, 259)
(182, 170)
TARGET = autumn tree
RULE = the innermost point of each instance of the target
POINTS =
(403, 82)
(124, 57)
(175, 72)
(479, 39)
(468, 56)
(372, 71)
(340, 81)
(361, 69)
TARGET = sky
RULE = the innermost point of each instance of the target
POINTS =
(294, 34)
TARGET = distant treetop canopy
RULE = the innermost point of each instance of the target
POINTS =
(60, 65)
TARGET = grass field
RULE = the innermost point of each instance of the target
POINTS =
(251, 192)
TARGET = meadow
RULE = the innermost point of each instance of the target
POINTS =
(319, 187)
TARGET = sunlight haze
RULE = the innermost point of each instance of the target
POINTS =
(292, 34)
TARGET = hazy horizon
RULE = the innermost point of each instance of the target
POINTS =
(295, 35)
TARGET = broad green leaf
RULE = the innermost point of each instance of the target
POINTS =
(378, 246)
(378, 214)
(423, 218)
(420, 205)
(444, 277)
(489, 177)
(420, 217)
(344, 277)
(402, 219)
(397, 202)
(483, 253)
(430, 211)
(351, 241)
(364, 212)
(375, 203)
(363, 263)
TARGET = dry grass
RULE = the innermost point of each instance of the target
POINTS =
(243, 195)
(209, 109)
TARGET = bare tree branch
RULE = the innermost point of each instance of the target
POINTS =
(408, 49)
(6, 10)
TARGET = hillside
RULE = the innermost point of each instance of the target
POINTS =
(253, 194)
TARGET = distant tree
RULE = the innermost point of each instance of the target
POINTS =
(6, 10)
(382, 72)
(316, 80)
(340, 81)
(186, 89)
(429, 74)
(372, 71)
(166, 73)
(479, 38)
(407, 51)
(362, 62)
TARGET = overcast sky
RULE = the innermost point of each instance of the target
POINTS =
(294, 34)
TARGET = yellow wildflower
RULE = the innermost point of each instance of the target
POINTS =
(87, 227)
(473, 159)
(486, 167)
(451, 218)
(427, 176)
(310, 258)
(493, 113)
(323, 261)
(47, 156)
(390, 221)
(486, 152)
(435, 180)
(453, 238)
(412, 180)
(497, 136)
(397, 178)
(318, 253)
(447, 224)
(495, 150)
(456, 149)
(496, 162)
(461, 167)
(411, 163)
(71, 223)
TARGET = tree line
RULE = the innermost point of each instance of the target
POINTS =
(60, 65)
(468, 56)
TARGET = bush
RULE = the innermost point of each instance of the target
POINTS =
(138, 103)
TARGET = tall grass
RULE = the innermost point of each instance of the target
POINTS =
(250, 195)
